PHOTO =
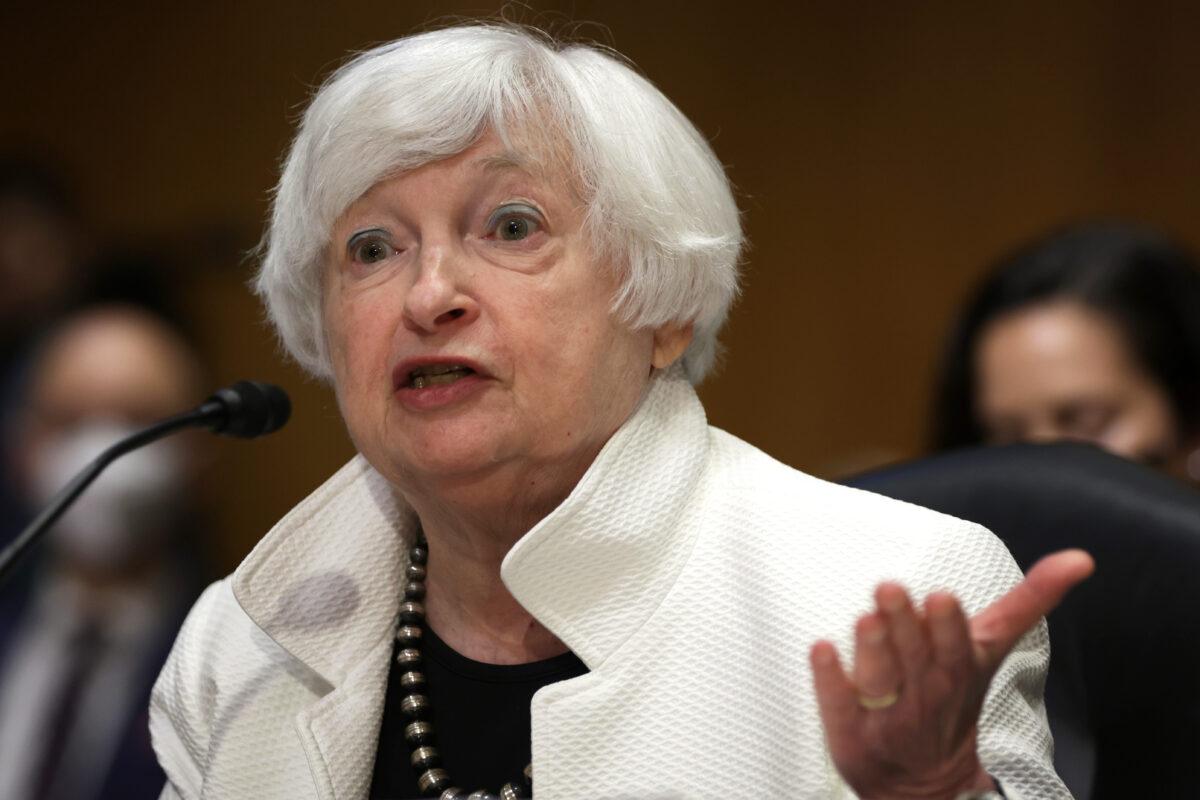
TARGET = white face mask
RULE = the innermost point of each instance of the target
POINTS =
(126, 511)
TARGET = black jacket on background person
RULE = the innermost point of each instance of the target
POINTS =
(133, 772)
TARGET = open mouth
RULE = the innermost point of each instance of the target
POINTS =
(436, 374)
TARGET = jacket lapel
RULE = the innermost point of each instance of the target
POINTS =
(613, 548)
(323, 584)
(597, 568)
(340, 732)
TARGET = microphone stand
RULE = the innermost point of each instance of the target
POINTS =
(204, 415)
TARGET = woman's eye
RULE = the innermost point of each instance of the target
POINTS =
(513, 229)
(370, 250)
(513, 226)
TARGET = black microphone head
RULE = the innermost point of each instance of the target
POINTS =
(251, 409)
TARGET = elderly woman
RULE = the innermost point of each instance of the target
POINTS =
(512, 259)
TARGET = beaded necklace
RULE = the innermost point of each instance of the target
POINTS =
(432, 780)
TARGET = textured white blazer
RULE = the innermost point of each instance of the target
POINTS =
(688, 570)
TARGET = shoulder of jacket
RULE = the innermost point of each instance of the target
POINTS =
(866, 537)
(750, 476)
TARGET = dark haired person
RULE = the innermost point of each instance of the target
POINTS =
(1091, 333)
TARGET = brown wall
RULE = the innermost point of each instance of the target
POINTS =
(883, 152)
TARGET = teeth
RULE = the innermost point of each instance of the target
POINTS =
(440, 373)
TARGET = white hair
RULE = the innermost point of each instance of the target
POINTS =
(658, 204)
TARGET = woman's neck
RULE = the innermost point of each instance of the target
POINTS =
(473, 612)
(470, 530)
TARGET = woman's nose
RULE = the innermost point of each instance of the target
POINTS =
(437, 298)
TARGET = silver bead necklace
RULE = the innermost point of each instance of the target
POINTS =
(432, 780)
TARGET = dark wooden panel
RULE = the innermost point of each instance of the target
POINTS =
(883, 153)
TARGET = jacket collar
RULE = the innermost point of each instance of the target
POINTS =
(324, 583)
(600, 564)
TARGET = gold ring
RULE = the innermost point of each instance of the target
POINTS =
(878, 703)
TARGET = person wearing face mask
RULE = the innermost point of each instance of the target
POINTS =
(79, 651)
(1091, 333)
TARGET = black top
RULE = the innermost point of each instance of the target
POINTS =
(480, 719)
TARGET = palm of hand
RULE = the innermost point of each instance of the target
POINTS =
(903, 723)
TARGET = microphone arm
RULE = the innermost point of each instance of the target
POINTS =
(246, 409)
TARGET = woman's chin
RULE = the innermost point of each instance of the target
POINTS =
(444, 459)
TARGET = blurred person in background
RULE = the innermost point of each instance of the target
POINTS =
(41, 253)
(1091, 333)
(80, 648)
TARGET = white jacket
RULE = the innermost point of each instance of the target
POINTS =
(688, 570)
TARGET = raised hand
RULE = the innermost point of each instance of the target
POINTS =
(902, 724)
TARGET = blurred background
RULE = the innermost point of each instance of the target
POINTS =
(884, 155)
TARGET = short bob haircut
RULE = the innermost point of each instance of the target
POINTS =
(659, 207)
(1147, 285)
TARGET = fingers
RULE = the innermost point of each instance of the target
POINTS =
(877, 671)
(876, 668)
(949, 633)
(896, 644)
(998, 627)
(1056, 574)
(891, 645)
(837, 697)
(906, 631)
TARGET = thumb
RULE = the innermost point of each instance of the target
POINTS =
(996, 629)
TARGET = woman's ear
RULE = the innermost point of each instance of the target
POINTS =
(669, 343)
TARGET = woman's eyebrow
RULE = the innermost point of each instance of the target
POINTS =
(509, 161)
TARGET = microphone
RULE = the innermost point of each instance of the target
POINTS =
(246, 409)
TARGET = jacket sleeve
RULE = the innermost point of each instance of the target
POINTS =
(1014, 737)
(181, 703)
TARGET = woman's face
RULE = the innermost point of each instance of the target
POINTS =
(1060, 370)
(469, 326)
